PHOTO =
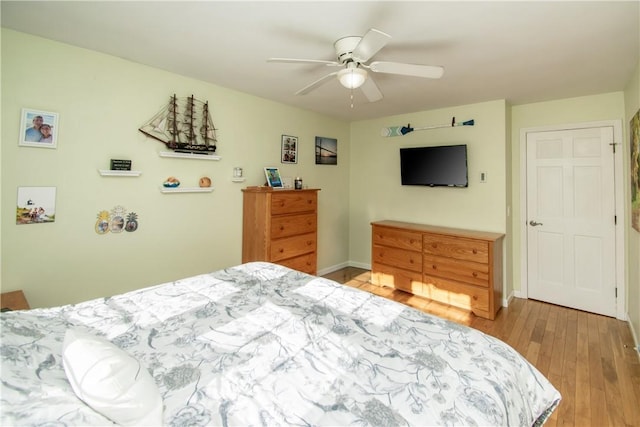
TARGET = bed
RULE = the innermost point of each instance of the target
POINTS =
(260, 344)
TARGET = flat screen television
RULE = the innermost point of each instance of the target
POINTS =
(442, 166)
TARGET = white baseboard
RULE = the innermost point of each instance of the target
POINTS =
(332, 268)
(356, 264)
(335, 267)
(506, 301)
(519, 294)
(634, 335)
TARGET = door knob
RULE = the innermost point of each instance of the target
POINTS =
(533, 223)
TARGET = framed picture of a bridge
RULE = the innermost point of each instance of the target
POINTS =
(326, 151)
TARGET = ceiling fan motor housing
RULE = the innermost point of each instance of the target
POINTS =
(344, 48)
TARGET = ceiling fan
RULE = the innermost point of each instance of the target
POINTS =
(352, 54)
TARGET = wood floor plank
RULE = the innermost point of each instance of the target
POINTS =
(597, 404)
(583, 374)
(627, 362)
(582, 354)
(548, 338)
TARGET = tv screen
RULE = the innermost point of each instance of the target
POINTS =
(443, 166)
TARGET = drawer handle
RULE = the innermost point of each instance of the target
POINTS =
(281, 250)
(281, 227)
(410, 261)
(309, 243)
(434, 267)
(474, 274)
(475, 251)
(434, 245)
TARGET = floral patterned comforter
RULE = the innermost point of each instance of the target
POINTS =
(260, 344)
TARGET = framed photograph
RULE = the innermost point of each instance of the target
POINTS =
(38, 128)
(289, 149)
(36, 205)
(326, 151)
(634, 128)
(273, 177)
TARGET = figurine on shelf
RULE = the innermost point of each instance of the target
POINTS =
(171, 182)
(205, 181)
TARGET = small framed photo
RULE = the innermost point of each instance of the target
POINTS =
(289, 149)
(326, 151)
(273, 177)
(38, 128)
(36, 205)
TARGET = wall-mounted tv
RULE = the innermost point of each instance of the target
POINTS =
(442, 166)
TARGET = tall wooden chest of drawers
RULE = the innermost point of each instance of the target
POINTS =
(462, 268)
(281, 226)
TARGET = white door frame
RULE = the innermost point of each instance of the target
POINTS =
(619, 206)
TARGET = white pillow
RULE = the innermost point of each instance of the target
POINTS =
(110, 380)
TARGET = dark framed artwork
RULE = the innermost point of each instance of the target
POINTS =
(326, 151)
(38, 128)
(634, 132)
(289, 149)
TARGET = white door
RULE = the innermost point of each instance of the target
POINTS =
(571, 218)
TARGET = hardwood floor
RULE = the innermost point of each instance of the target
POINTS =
(589, 358)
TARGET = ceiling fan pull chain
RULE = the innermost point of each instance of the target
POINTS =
(351, 96)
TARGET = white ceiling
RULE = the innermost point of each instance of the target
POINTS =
(520, 51)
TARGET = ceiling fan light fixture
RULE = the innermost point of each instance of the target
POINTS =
(352, 77)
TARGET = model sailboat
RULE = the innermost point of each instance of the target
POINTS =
(184, 126)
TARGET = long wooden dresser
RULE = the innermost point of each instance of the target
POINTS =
(458, 267)
(281, 226)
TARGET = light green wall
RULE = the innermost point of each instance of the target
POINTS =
(376, 192)
(609, 106)
(632, 105)
(102, 100)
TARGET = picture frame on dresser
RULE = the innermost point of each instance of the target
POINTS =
(274, 180)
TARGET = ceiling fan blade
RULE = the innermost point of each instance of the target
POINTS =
(370, 90)
(427, 71)
(302, 61)
(316, 84)
(370, 44)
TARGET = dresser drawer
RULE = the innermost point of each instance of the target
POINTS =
(457, 294)
(305, 263)
(292, 202)
(456, 247)
(408, 260)
(385, 275)
(290, 225)
(464, 271)
(397, 238)
(290, 247)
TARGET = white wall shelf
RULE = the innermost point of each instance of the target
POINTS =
(104, 172)
(238, 179)
(174, 155)
(167, 190)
